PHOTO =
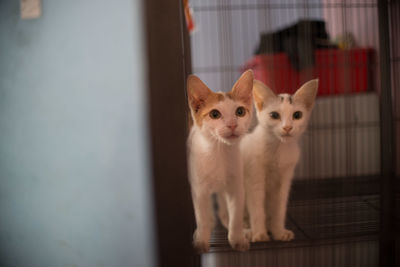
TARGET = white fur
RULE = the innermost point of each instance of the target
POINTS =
(215, 166)
(270, 157)
(214, 159)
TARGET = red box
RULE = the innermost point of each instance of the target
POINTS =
(339, 71)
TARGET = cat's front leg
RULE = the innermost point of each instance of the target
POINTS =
(235, 204)
(277, 199)
(204, 220)
(222, 210)
(255, 197)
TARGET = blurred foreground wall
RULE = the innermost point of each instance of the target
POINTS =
(74, 169)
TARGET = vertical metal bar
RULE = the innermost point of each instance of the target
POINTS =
(387, 196)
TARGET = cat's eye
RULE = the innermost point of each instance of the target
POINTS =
(275, 115)
(215, 114)
(297, 115)
(240, 112)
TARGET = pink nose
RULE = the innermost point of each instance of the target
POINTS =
(232, 126)
(288, 128)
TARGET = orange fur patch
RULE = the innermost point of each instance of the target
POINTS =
(258, 98)
(246, 104)
(232, 96)
(206, 107)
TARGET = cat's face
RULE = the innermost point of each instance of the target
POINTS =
(285, 116)
(223, 116)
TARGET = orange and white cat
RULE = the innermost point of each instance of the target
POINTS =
(215, 164)
(271, 153)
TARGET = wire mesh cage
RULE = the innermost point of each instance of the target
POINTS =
(334, 207)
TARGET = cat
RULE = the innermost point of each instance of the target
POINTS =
(271, 153)
(219, 122)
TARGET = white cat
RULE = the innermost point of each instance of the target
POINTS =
(271, 153)
(215, 166)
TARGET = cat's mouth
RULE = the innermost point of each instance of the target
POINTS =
(285, 137)
(232, 136)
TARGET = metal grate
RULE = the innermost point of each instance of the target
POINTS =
(326, 221)
(335, 197)
(343, 136)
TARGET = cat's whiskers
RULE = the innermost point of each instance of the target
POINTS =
(219, 140)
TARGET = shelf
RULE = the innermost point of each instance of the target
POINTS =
(320, 222)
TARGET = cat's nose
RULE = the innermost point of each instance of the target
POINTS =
(287, 128)
(232, 126)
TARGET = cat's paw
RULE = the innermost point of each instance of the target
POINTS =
(260, 237)
(200, 243)
(201, 246)
(239, 242)
(283, 235)
(248, 233)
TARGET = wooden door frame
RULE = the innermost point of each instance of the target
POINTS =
(168, 57)
(387, 242)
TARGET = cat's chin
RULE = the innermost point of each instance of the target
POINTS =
(230, 140)
(286, 138)
(232, 137)
(227, 140)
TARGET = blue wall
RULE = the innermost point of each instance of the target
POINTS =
(74, 170)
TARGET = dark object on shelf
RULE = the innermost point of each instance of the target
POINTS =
(299, 41)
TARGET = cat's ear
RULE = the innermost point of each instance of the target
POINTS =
(242, 89)
(262, 94)
(197, 92)
(307, 93)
